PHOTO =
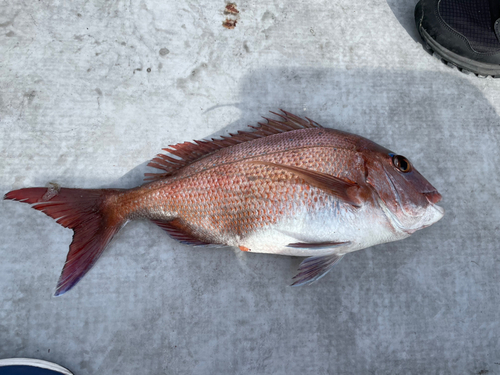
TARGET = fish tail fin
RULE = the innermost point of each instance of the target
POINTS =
(89, 212)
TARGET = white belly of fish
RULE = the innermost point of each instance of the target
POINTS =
(359, 228)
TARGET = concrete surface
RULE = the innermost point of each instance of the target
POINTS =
(90, 91)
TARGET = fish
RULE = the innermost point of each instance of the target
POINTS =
(287, 186)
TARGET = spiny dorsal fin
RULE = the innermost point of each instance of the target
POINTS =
(188, 152)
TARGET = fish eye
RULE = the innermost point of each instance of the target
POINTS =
(401, 163)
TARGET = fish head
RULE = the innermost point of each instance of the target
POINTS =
(407, 198)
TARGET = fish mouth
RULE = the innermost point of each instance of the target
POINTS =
(433, 196)
(433, 212)
(439, 209)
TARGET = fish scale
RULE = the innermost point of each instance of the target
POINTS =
(238, 210)
(288, 187)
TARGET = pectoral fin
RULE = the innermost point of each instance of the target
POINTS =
(314, 268)
(345, 190)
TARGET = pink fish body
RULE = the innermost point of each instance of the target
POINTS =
(290, 187)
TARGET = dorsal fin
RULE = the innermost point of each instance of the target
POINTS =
(188, 152)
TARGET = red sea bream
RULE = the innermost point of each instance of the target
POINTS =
(288, 187)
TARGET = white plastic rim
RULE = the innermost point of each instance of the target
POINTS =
(34, 363)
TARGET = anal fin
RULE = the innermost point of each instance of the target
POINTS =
(180, 232)
(314, 268)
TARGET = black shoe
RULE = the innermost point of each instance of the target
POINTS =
(26, 366)
(463, 33)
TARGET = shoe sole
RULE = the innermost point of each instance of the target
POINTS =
(463, 64)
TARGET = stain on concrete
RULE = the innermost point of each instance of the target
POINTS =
(229, 24)
(98, 91)
(181, 82)
(10, 34)
(232, 16)
(31, 96)
(164, 51)
(9, 22)
(231, 9)
(202, 66)
(267, 16)
(268, 20)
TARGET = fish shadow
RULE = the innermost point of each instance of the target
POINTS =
(404, 12)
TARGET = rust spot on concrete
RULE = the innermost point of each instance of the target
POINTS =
(243, 248)
(229, 24)
(231, 9)
(232, 16)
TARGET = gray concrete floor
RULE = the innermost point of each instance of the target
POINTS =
(90, 91)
